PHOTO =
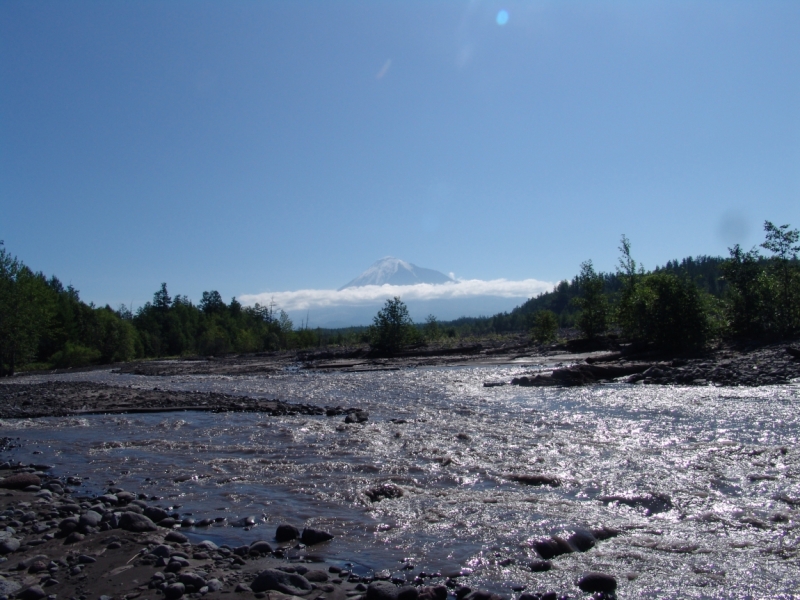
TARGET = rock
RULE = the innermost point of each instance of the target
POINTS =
(286, 533)
(214, 585)
(407, 592)
(90, 519)
(125, 497)
(174, 536)
(652, 503)
(582, 540)
(74, 537)
(8, 587)
(9, 545)
(314, 536)
(358, 416)
(536, 479)
(174, 591)
(167, 523)
(260, 547)
(85, 559)
(539, 566)
(155, 514)
(316, 576)
(37, 567)
(433, 592)
(19, 482)
(162, 550)
(175, 564)
(244, 522)
(34, 592)
(130, 521)
(190, 578)
(382, 590)
(207, 545)
(597, 582)
(551, 547)
(287, 583)
(383, 491)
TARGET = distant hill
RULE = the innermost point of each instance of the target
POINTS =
(396, 272)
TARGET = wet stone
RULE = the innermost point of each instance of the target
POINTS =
(286, 533)
(311, 536)
(597, 582)
(280, 581)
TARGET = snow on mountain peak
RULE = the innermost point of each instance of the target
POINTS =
(395, 271)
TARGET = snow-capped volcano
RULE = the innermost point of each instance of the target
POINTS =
(396, 272)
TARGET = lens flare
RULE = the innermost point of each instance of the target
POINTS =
(502, 17)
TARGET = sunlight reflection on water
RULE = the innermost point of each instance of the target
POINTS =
(691, 476)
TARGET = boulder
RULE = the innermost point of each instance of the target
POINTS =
(244, 522)
(174, 536)
(433, 592)
(314, 536)
(259, 547)
(34, 592)
(280, 581)
(190, 578)
(382, 590)
(383, 491)
(155, 514)
(316, 576)
(162, 551)
(536, 479)
(207, 545)
(597, 582)
(130, 521)
(174, 591)
(90, 519)
(286, 533)
(9, 545)
(582, 540)
(8, 587)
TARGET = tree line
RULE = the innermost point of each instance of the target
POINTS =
(44, 324)
(680, 306)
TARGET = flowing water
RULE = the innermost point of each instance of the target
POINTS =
(700, 481)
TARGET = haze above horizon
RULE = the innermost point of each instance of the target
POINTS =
(256, 147)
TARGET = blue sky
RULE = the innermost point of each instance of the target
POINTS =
(257, 147)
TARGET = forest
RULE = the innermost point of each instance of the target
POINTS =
(680, 306)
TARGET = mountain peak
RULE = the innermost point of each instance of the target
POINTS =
(395, 271)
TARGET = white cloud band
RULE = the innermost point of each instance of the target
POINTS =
(370, 294)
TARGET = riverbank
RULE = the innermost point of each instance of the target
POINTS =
(60, 543)
(576, 362)
(774, 364)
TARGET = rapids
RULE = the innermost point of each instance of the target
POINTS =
(701, 482)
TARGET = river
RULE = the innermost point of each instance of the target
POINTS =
(699, 481)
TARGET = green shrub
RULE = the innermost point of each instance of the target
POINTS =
(545, 326)
(593, 318)
(667, 311)
(75, 355)
(392, 327)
